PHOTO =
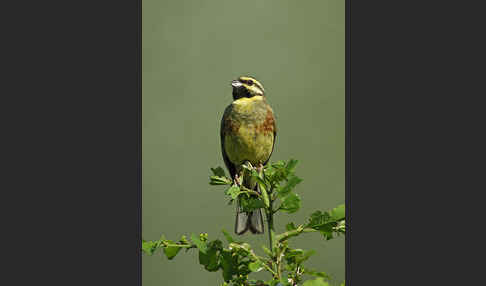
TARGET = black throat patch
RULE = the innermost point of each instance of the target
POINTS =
(241, 91)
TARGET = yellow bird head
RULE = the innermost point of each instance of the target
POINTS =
(246, 86)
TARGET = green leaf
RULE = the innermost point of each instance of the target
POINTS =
(291, 203)
(279, 172)
(338, 213)
(265, 198)
(233, 191)
(184, 240)
(296, 257)
(148, 247)
(293, 253)
(255, 175)
(218, 172)
(267, 251)
(262, 186)
(328, 224)
(229, 263)
(278, 164)
(210, 259)
(258, 177)
(301, 258)
(291, 165)
(171, 251)
(242, 249)
(256, 266)
(269, 171)
(275, 242)
(290, 226)
(201, 245)
(322, 222)
(216, 180)
(318, 218)
(316, 282)
(291, 183)
(327, 231)
(228, 237)
(250, 204)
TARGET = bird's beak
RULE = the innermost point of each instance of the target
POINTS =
(236, 83)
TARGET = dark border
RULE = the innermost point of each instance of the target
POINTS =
(139, 146)
(348, 144)
(74, 161)
(412, 82)
(74, 158)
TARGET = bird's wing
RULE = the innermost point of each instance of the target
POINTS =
(274, 134)
(224, 128)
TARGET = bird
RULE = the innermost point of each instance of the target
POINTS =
(248, 132)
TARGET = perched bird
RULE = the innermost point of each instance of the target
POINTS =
(248, 133)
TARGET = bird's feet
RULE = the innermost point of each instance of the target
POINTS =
(237, 180)
(259, 167)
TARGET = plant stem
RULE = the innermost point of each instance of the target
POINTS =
(179, 245)
(271, 230)
(288, 234)
(270, 225)
(256, 257)
(277, 273)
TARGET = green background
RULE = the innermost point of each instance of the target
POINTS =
(191, 50)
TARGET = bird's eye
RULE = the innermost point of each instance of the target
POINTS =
(250, 83)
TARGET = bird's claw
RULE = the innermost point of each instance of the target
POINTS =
(237, 180)
(259, 168)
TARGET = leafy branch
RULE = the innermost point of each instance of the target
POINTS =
(238, 260)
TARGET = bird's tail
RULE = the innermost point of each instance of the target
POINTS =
(252, 221)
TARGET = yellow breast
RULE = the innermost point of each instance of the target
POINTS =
(249, 141)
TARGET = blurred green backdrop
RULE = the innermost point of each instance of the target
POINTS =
(191, 50)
